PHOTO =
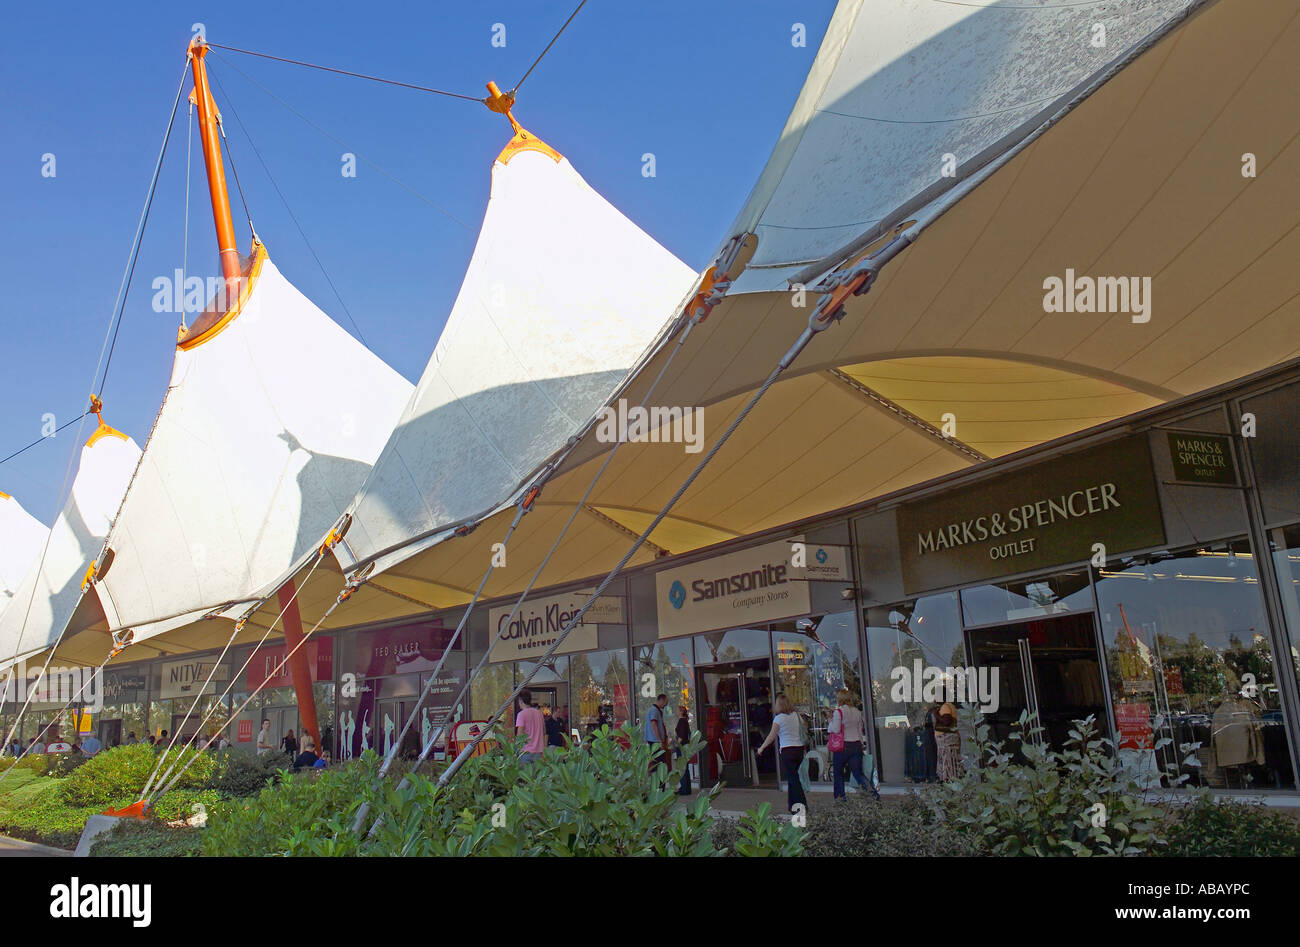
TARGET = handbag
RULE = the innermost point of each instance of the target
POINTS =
(835, 741)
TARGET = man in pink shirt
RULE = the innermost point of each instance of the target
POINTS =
(530, 723)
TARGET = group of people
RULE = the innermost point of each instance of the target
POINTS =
(303, 756)
(846, 736)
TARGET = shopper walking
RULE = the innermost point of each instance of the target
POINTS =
(655, 731)
(529, 723)
(846, 733)
(290, 744)
(683, 738)
(787, 733)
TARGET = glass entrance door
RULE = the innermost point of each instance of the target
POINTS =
(1048, 667)
(735, 714)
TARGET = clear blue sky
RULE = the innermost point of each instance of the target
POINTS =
(706, 87)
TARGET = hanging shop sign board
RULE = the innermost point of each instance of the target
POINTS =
(539, 622)
(740, 588)
(1035, 518)
(186, 678)
(819, 563)
(1202, 458)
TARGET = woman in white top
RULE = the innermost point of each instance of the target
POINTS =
(788, 729)
(846, 722)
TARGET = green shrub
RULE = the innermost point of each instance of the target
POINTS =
(246, 774)
(37, 763)
(602, 799)
(758, 835)
(64, 763)
(33, 808)
(178, 805)
(117, 777)
(1206, 828)
(1080, 800)
(147, 838)
(858, 826)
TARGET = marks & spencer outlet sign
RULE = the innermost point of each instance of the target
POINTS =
(1042, 516)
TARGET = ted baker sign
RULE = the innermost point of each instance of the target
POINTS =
(1046, 515)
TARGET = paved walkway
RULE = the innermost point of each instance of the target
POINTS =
(17, 848)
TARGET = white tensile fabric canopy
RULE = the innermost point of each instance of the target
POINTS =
(561, 297)
(45, 600)
(272, 419)
(1123, 160)
(22, 537)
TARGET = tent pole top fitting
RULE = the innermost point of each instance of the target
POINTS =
(502, 103)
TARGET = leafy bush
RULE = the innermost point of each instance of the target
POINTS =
(758, 835)
(64, 763)
(858, 826)
(147, 838)
(1080, 800)
(37, 763)
(602, 799)
(118, 776)
(33, 808)
(177, 805)
(1206, 828)
(246, 774)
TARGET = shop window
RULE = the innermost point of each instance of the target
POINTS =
(1189, 658)
(666, 668)
(815, 657)
(1286, 559)
(739, 644)
(924, 632)
(490, 689)
(1027, 598)
(600, 690)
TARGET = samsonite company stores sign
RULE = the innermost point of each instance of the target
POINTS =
(539, 623)
(185, 678)
(1042, 516)
(741, 588)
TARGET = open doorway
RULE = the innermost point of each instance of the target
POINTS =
(735, 715)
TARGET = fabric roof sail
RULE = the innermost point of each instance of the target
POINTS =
(272, 418)
(561, 297)
(906, 99)
(46, 598)
(22, 537)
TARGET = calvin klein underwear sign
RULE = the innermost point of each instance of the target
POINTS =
(1043, 516)
(186, 678)
(539, 622)
(729, 591)
(1202, 458)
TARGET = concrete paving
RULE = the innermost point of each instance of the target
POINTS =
(17, 848)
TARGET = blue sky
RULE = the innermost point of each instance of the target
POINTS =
(705, 87)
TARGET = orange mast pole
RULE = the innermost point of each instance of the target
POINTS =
(210, 136)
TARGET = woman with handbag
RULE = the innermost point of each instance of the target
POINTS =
(845, 734)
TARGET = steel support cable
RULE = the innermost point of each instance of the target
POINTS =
(110, 339)
(344, 72)
(685, 330)
(235, 171)
(814, 326)
(257, 690)
(139, 232)
(197, 697)
(393, 749)
(46, 437)
(338, 141)
(289, 210)
(247, 661)
(548, 46)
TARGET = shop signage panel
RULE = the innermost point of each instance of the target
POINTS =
(399, 649)
(822, 562)
(1202, 458)
(266, 659)
(740, 588)
(186, 678)
(1035, 518)
(539, 623)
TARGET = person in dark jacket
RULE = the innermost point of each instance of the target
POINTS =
(683, 734)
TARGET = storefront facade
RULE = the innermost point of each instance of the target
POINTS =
(1146, 574)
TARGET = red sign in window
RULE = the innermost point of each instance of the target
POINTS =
(245, 731)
